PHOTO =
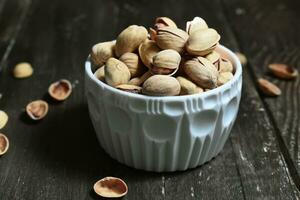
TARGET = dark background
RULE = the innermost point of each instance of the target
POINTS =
(60, 158)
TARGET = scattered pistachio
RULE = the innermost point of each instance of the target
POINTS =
(23, 70)
(60, 90)
(242, 58)
(111, 187)
(37, 110)
(4, 144)
(3, 119)
(268, 88)
(283, 71)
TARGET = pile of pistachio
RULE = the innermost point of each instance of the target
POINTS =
(167, 61)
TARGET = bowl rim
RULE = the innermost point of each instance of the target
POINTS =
(232, 56)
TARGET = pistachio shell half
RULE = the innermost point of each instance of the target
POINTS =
(60, 90)
(163, 22)
(166, 62)
(111, 187)
(161, 85)
(101, 52)
(130, 88)
(130, 39)
(202, 42)
(37, 110)
(4, 144)
(171, 38)
(133, 63)
(147, 50)
(100, 74)
(3, 119)
(116, 72)
(202, 72)
(195, 25)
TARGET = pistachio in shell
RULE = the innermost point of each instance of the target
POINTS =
(130, 39)
(133, 63)
(100, 74)
(147, 50)
(130, 88)
(195, 25)
(202, 42)
(116, 72)
(187, 86)
(202, 72)
(4, 144)
(60, 90)
(171, 38)
(161, 85)
(166, 62)
(37, 110)
(3, 119)
(215, 58)
(163, 22)
(225, 65)
(224, 77)
(101, 52)
(111, 187)
(140, 80)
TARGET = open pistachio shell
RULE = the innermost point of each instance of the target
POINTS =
(111, 187)
(37, 110)
(4, 144)
(166, 62)
(60, 90)
(101, 52)
(214, 57)
(147, 50)
(195, 25)
(163, 22)
(133, 63)
(161, 85)
(116, 72)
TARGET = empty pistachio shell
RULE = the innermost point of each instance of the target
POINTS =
(283, 71)
(100, 74)
(171, 38)
(202, 42)
(214, 57)
(163, 22)
(116, 72)
(101, 52)
(195, 25)
(242, 58)
(161, 85)
(111, 187)
(37, 110)
(147, 50)
(268, 88)
(225, 65)
(140, 80)
(23, 70)
(187, 86)
(60, 90)
(224, 77)
(130, 39)
(202, 72)
(130, 88)
(4, 144)
(3, 119)
(133, 63)
(166, 62)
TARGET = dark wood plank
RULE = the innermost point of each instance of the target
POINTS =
(273, 37)
(59, 157)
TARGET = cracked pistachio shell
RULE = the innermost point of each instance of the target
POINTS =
(100, 74)
(166, 62)
(171, 38)
(214, 57)
(202, 72)
(130, 39)
(116, 72)
(101, 52)
(130, 88)
(163, 22)
(147, 50)
(187, 86)
(224, 77)
(225, 66)
(133, 63)
(195, 25)
(110, 187)
(202, 42)
(161, 85)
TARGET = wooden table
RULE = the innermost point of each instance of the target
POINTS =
(60, 158)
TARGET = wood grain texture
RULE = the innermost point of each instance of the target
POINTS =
(60, 158)
(272, 38)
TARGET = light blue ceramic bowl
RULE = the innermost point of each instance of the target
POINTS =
(164, 133)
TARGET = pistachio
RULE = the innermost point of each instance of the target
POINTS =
(100, 74)
(116, 72)
(161, 85)
(3, 119)
(111, 187)
(140, 80)
(283, 71)
(101, 52)
(214, 57)
(147, 50)
(242, 58)
(224, 77)
(187, 86)
(202, 42)
(202, 72)
(268, 88)
(60, 90)
(133, 63)
(130, 39)
(166, 62)
(130, 88)
(171, 38)
(23, 70)
(163, 22)
(37, 110)
(152, 34)
(195, 25)
(225, 66)
(4, 144)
